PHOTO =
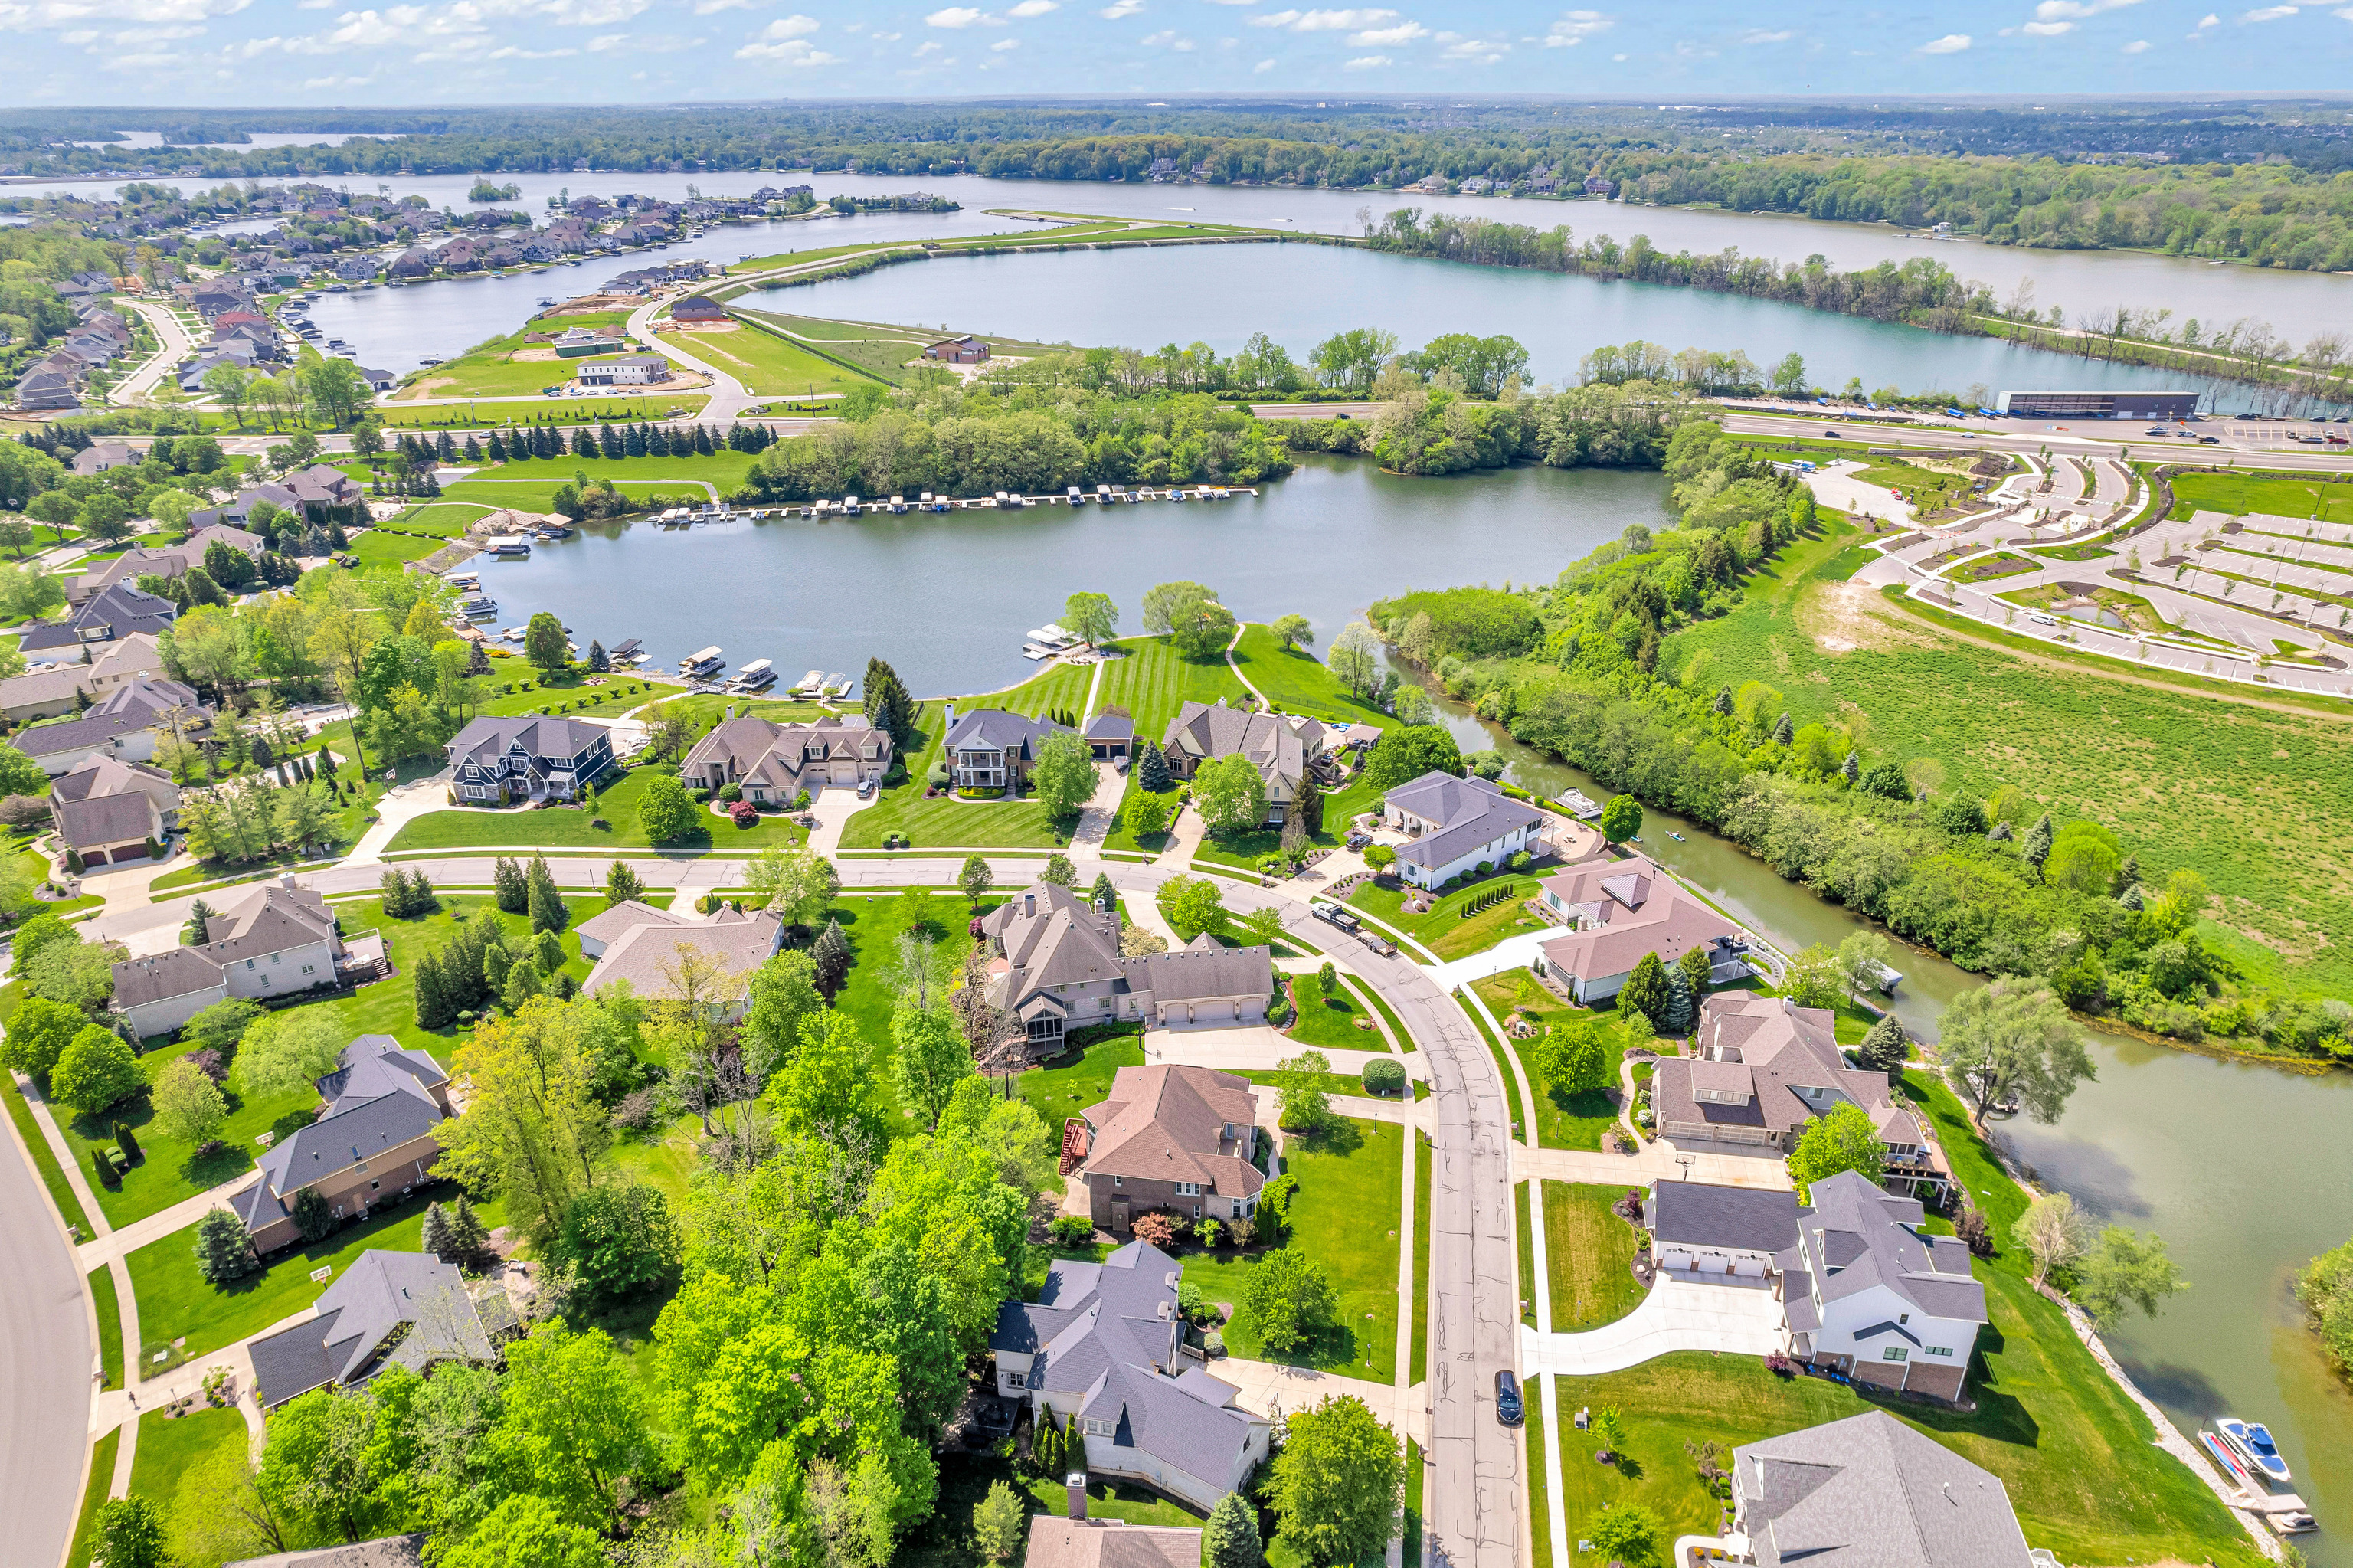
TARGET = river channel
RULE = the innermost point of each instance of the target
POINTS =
(2193, 1148)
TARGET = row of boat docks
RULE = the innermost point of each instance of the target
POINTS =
(1002, 501)
(702, 667)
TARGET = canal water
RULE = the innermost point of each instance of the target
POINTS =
(2194, 1148)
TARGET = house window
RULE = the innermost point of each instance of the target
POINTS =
(1940, 1350)
(1894, 1353)
(374, 1185)
(1903, 1317)
(1119, 1180)
(308, 968)
(1013, 1380)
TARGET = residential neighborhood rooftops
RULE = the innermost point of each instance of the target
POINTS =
(1465, 815)
(385, 1551)
(1622, 909)
(1175, 1124)
(1871, 1492)
(994, 729)
(404, 1307)
(648, 954)
(1860, 1236)
(1059, 1542)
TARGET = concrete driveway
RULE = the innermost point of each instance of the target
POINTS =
(1678, 1315)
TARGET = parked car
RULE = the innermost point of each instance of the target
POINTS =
(1832, 434)
(2210, 440)
(1508, 1408)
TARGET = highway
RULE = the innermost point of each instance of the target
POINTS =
(45, 1371)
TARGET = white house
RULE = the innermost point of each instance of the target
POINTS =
(628, 370)
(276, 941)
(1867, 1291)
(1455, 825)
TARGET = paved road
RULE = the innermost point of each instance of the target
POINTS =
(177, 345)
(45, 1367)
(2022, 436)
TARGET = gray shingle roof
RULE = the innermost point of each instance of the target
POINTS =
(1871, 1492)
(1469, 812)
(379, 1098)
(1698, 1214)
(486, 740)
(994, 729)
(137, 705)
(105, 819)
(1863, 1237)
(388, 1552)
(345, 1342)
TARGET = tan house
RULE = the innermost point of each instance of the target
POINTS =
(109, 811)
(48, 694)
(1057, 967)
(1078, 1542)
(274, 940)
(372, 1144)
(169, 561)
(1180, 1139)
(775, 762)
(128, 722)
(1281, 746)
(644, 947)
(1617, 911)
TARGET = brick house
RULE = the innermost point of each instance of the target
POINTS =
(1056, 966)
(1279, 746)
(1180, 1139)
(372, 1144)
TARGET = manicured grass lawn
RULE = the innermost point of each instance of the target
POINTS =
(108, 1307)
(723, 468)
(1589, 1257)
(175, 1302)
(563, 694)
(766, 363)
(2282, 495)
(1422, 1241)
(1152, 682)
(565, 827)
(93, 1497)
(1330, 1020)
(530, 486)
(44, 1159)
(1073, 1081)
(1296, 682)
(377, 550)
(1330, 1083)
(575, 411)
(1445, 929)
(170, 1170)
(1345, 1217)
(447, 518)
(662, 1156)
(1502, 1071)
(947, 822)
(1563, 1120)
(169, 1449)
(873, 926)
(2248, 796)
(1541, 1424)
(878, 351)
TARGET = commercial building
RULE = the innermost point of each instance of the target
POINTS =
(2096, 405)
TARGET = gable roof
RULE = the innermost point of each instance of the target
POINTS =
(1762, 1050)
(1856, 1236)
(645, 954)
(1059, 1542)
(762, 751)
(485, 740)
(271, 919)
(139, 704)
(1699, 1214)
(355, 1332)
(106, 819)
(994, 729)
(1168, 1123)
(1276, 744)
(118, 610)
(1469, 812)
(1624, 909)
(1871, 1492)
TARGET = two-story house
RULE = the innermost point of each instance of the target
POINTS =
(108, 811)
(500, 760)
(1867, 1291)
(128, 724)
(989, 749)
(1869, 1492)
(1056, 965)
(1760, 1067)
(1180, 1139)
(273, 941)
(645, 948)
(1103, 1348)
(775, 762)
(388, 1309)
(1616, 911)
(1455, 825)
(372, 1143)
(1279, 746)
(116, 611)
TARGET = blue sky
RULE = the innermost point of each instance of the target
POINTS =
(284, 53)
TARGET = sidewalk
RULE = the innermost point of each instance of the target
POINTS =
(154, 1227)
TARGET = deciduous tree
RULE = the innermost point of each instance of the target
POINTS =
(1289, 1300)
(95, 1070)
(188, 1104)
(1339, 1481)
(2013, 1036)
(1063, 776)
(1229, 794)
(1842, 1141)
(2126, 1269)
(2051, 1232)
(285, 1052)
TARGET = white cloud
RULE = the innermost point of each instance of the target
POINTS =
(64, 13)
(1276, 19)
(316, 82)
(643, 43)
(2209, 20)
(1573, 28)
(1950, 44)
(786, 41)
(931, 46)
(1325, 21)
(1262, 68)
(314, 5)
(516, 52)
(1029, 8)
(2045, 29)
(1483, 51)
(2137, 46)
(711, 7)
(1118, 8)
(2077, 10)
(2270, 13)
(1367, 62)
(961, 17)
(1003, 44)
(1758, 36)
(1385, 37)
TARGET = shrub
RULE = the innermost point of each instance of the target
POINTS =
(1384, 1075)
(730, 793)
(1780, 1365)
(743, 815)
(1521, 861)
(1160, 1227)
(636, 1111)
(1071, 1229)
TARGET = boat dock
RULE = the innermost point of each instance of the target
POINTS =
(1579, 804)
(1003, 501)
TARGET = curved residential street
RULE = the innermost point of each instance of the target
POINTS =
(177, 345)
(46, 1359)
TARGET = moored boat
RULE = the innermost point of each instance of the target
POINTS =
(2252, 1442)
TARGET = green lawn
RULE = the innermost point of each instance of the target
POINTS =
(45, 1159)
(170, 1448)
(2280, 495)
(1563, 1120)
(873, 926)
(447, 519)
(93, 1497)
(1527, 1254)
(1503, 1070)
(1075, 1080)
(1540, 1422)
(565, 827)
(2248, 796)
(765, 362)
(574, 411)
(1345, 1217)
(1295, 682)
(946, 1540)
(878, 351)
(947, 822)
(1330, 1020)
(1422, 1241)
(1152, 680)
(1330, 1083)
(377, 550)
(1445, 929)
(662, 1156)
(109, 1307)
(530, 486)
(174, 1302)
(1589, 1257)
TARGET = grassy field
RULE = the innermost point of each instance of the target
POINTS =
(490, 370)
(2246, 795)
(572, 411)
(767, 362)
(1589, 1257)
(1444, 928)
(169, 1449)
(1563, 1120)
(1345, 1217)
(1295, 682)
(879, 350)
(564, 827)
(175, 1301)
(1075, 1080)
(873, 926)
(2282, 495)
(443, 519)
(1332, 1020)
(1152, 682)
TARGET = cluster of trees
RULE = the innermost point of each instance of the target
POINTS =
(610, 440)
(2325, 1289)
(177, 476)
(1035, 438)
(316, 388)
(1435, 431)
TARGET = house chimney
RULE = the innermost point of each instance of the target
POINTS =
(1076, 1482)
(286, 880)
(1030, 906)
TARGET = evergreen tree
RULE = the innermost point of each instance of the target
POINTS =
(1152, 772)
(433, 1006)
(702, 447)
(548, 910)
(599, 662)
(1723, 704)
(222, 1251)
(2127, 874)
(1852, 769)
(1645, 990)
(1695, 967)
(445, 448)
(621, 885)
(584, 443)
(478, 659)
(1104, 895)
(473, 451)
(1784, 731)
(634, 443)
(1884, 1048)
(1075, 1451)
(1046, 1444)
(889, 708)
(1230, 1538)
(496, 962)
(614, 445)
(831, 952)
(2037, 847)
(436, 1238)
(508, 887)
(468, 1235)
(199, 931)
(1677, 1018)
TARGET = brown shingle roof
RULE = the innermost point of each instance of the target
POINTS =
(1168, 1124)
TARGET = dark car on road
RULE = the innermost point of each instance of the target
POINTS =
(1508, 1408)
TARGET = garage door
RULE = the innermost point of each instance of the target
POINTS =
(1678, 1258)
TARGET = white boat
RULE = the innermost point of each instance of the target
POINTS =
(702, 664)
(509, 545)
(757, 673)
(1582, 804)
(838, 685)
(1051, 635)
(512, 634)
(2252, 1442)
(811, 683)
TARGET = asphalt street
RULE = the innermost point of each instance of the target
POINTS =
(45, 1372)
